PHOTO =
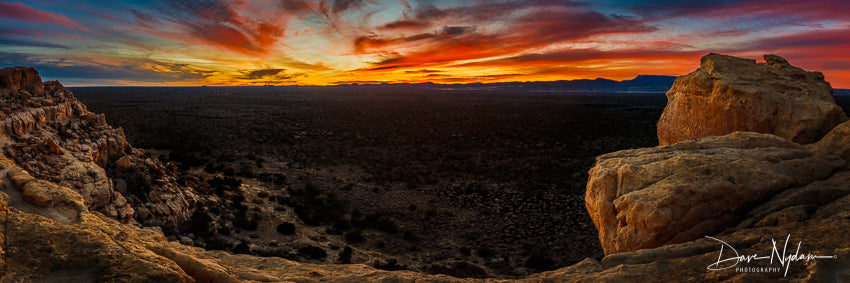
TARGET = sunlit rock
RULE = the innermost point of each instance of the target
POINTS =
(728, 94)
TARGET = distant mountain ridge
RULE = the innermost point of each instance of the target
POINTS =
(641, 83)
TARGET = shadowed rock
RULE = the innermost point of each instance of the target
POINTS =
(654, 207)
(18, 77)
(728, 94)
(650, 197)
(52, 135)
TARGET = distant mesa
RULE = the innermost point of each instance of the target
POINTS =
(728, 94)
(640, 84)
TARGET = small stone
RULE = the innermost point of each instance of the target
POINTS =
(186, 241)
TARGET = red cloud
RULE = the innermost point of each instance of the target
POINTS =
(222, 24)
(22, 12)
(542, 26)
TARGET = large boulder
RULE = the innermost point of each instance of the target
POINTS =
(19, 77)
(649, 197)
(728, 94)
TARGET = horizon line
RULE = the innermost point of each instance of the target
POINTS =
(382, 83)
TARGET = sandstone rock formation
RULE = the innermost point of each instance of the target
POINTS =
(728, 94)
(650, 197)
(21, 78)
(76, 245)
(654, 207)
(50, 134)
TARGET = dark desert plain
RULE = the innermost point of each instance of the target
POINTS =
(426, 175)
(424, 140)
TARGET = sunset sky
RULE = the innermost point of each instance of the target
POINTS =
(284, 42)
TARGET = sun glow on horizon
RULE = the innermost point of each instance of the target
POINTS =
(329, 42)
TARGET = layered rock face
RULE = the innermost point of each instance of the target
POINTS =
(21, 78)
(728, 94)
(650, 197)
(654, 207)
(51, 135)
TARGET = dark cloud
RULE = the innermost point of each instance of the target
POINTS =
(799, 12)
(142, 16)
(428, 12)
(839, 39)
(342, 5)
(405, 25)
(552, 26)
(578, 56)
(456, 30)
(259, 74)
(668, 8)
(213, 10)
(31, 43)
(422, 71)
(297, 5)
(389, 67)
(404, 4)
(365, 43)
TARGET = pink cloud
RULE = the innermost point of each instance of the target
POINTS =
(22, 12)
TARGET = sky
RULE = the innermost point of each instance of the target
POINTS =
(328, 42)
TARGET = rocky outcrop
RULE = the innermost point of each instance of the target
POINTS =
(728, 94)
(835, 143)
(686, 211)
(46, 131)
(21, 78)
(646, 198)
(650, 197)
(60, 240)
